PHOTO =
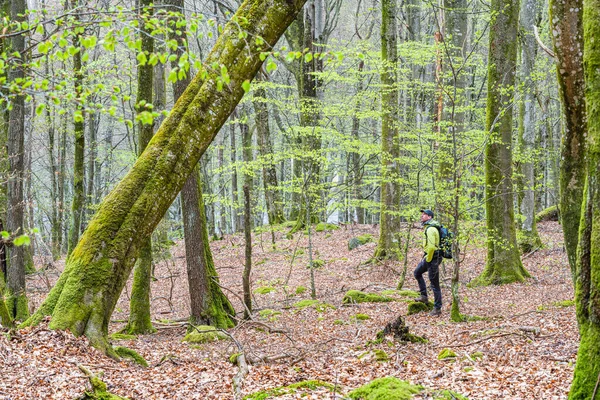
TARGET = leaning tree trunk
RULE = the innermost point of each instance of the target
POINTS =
(208, 304)
(503, 260)
(567, 34)
(387, 247)
(85, 295)
(587, 272)
(17, 298)
(139, 306)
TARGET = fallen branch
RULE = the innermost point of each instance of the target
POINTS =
(486, 338)
(542, 45)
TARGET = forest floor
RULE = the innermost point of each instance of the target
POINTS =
(525, 348)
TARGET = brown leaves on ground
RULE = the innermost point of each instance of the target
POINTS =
(525, 349)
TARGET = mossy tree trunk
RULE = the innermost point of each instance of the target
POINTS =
(269, 173)
(388, 245)
(529, 238)
(567, 34)
(208, 304)
(85, 295)
(78, 204)
(17, 298)
(139, 306)
(587, 272)
(503, 259)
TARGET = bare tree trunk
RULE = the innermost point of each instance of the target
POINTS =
(235, 226)
(248, 254)
(17, 297)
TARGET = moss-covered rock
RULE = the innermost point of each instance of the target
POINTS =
(388, 388)
(204, 334)
(359, 241)
(416, 307)
(356, 296)
(132, 355)
(322, 226)
(548, 214)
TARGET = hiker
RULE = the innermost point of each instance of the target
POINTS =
(432, 258)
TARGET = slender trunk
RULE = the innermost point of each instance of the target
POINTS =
(265, 148)
(235, 226)
(139, 305)
(356, 172)
(222, 190)
(248, 254)
(61, 184)
(503, 261)
(94, 124)
(17, 298)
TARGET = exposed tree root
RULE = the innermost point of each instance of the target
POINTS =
(99, 388)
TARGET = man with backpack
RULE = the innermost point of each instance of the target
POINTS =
(431, 262)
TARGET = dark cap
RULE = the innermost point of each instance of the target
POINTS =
(428, 212)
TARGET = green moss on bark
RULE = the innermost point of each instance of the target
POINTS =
(139, 312)
(131, 354)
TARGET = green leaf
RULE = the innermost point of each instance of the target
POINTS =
(246, 86)
(142, 59)
(40, 109)
(22, 240)
(271, 66)
(308, 57)
(5, 235)
(40, 29)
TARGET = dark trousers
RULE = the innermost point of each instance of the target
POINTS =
(433, 268)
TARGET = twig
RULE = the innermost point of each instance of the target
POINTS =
(542, 45)
(238, 379)
(486, 338)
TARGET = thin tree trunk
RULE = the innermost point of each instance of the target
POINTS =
(529, 236)
(139, 305)
(248, 254)
(271, 186)
(235, 226)
(17, 298)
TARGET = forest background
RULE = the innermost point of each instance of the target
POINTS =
(363, 114)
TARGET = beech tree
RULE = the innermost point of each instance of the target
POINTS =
(503, 259)
(587, 276)
(387, 247)
(85, 295)
(567, 35)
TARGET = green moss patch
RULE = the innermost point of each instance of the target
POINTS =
(564, 303)
(549, 214)
(361, 317)
(446, 395)
(122, 336)
(416, 307)
(356, 296)
(300, 289)
(290, 389)
(359, 241)
(204, 334)
(318, 306)
(388, 388)
(322, 226)
(132, 355)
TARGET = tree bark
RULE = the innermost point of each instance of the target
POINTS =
(529, 236)
(265, 148)
(503, 260)
(567, 35)
(139, 305)
(85, 295)
(248, 254)
(78, 204)
(388, 246)
(587, 276)
(17, 298)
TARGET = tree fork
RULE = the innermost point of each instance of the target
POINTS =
(99, 266)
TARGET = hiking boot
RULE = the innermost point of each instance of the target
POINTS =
(422, 299)
(436, 312)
